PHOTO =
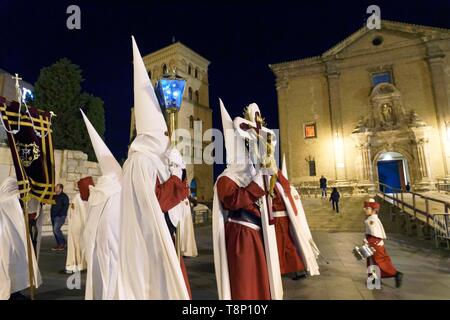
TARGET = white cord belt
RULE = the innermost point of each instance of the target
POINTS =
(279, 214)
(246, 224)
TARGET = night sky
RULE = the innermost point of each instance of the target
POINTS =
(239, 38)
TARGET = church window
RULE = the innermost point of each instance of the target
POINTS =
(149, 74)
(191, 122)
(190, 93)
(164, 69)
(311, 166)
(196, 96)
(377, 41)
(189, 69)
(196, 73)
(381, 77)
(310, 131)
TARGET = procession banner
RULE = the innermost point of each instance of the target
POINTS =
(30, 141)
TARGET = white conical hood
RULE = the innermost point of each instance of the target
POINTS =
(234, 144)
(108, 164)
(147, 113)
(283, 167)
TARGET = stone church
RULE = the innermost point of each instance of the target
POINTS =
(374, 108)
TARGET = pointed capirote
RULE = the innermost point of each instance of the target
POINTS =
(108, 164)
(147, 112)
(234, 144)
(283, 167)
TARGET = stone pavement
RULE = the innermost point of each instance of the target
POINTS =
(427, 271)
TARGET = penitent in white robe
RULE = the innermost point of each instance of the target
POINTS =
(187, 233)
(149, 268)
(300, 231)
(14, 275)
(101, 239)
(76, 221)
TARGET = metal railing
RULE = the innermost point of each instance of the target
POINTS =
(442, 228)
(439, 221)
(347, 188)
(443, 184)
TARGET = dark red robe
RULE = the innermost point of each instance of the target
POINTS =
(381, 258)
(249, 278)
(169, 194)
(290, 259)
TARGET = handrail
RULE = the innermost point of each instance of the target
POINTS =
(401, 203)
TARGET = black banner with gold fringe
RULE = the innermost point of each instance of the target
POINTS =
(30, 140)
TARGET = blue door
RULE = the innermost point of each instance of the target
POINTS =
(389, 174)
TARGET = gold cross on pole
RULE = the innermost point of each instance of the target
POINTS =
(17, 78)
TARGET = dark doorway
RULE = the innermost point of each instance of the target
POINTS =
(391, 173)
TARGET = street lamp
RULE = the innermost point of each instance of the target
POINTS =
(169, 90)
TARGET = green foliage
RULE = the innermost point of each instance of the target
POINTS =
(58, 89)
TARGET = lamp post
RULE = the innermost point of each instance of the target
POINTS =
(169, 90)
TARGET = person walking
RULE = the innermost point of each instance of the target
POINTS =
(323, 186)
(58, 213)
(334, 198)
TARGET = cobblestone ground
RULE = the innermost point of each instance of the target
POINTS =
(426, 270)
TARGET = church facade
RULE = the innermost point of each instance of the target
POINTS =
(373, 109)
(195, 115)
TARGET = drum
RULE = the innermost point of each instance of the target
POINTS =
(363, 252)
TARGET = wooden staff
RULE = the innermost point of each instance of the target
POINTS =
(29, 251)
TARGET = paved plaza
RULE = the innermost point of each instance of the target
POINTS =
(427, 271)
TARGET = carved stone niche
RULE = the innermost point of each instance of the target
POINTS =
(388, 127)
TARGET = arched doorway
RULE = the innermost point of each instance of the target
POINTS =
(393, 170)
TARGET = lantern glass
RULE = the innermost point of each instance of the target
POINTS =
(170, 92)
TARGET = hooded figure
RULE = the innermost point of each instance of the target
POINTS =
(101, 234)
(296, 248)
(151, 195)
(76, 221)
(242, 271)
(14, 275)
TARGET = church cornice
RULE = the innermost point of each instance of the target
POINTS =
(425, 34)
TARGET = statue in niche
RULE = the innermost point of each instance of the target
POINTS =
(387, 115)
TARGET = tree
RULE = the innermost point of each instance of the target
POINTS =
(58, 89)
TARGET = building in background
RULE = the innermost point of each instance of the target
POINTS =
(8, 90)
(195, 114)
(374, 108)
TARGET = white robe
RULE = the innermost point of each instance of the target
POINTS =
(187, 235)
(300, 231)
(76, 221)
(149, 267)
(374, 227)
(14, 275)
(35, 206)
(101, 239)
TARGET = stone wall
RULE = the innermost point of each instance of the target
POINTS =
(70, 166)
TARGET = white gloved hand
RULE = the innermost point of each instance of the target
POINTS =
(175, 158)
(258, 179)
(176, 171)
(176, 163)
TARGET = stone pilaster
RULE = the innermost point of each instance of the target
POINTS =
(334, 94)
(439, 81)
